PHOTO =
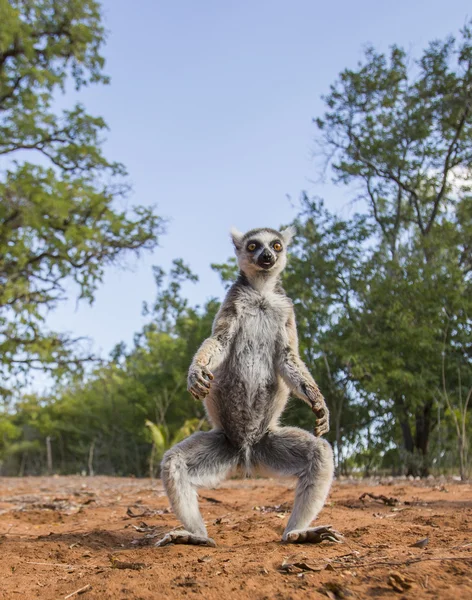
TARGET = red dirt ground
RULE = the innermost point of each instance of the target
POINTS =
(62, 535)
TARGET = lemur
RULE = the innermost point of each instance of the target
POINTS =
(244, 373)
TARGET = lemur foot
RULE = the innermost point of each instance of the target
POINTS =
(185, 537)
(313, 535)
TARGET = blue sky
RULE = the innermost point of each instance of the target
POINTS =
(210, 107)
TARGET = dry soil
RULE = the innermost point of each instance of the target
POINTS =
(93, 538)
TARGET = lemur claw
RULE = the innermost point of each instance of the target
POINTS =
(313, 535)
(199, 379)
(322, 426)
(319, 408)
(185, 537)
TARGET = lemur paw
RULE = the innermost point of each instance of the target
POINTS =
(313, 535)
(185, 537)
(318, 406)
(322, 425)
(198, 382)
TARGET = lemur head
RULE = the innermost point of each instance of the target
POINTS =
(262, 251)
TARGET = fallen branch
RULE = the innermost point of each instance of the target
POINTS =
(388, 501)
(146, 512)
(46, 564)
(407, 562)
(210, 499)
(82, 590)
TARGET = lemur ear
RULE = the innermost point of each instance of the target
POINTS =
(237, 238)
(288, 234)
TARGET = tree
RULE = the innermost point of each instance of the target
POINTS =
(104, 418)
(403, 136)
(324, 276)
(59, 216)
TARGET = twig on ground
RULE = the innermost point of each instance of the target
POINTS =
(407, 562)
(118, 564)
(146, 512)
(82, 590)
(46, 564)
(381, 498)
(210, 499)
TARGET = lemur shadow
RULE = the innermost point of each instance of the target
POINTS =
(100, 539)
(454, 504)
(356, 503)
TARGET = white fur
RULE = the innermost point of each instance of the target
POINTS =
(288, 234)
(237, 237)
(263, 280)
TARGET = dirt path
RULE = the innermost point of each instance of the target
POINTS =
(59, 535)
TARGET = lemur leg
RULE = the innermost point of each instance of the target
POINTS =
(293, 451)
(202, 460)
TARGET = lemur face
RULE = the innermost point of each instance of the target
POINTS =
(262, 250)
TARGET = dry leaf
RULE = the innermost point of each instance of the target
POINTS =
(206, 558)
(420, 543)
(399, 582)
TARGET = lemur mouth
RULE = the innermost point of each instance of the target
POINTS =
(266, 264)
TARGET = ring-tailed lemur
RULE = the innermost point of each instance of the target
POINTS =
(244, 373)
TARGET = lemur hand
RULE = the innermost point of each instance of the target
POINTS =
(198, 381)
(318, 406)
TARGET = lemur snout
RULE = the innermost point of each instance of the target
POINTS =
(266, 259)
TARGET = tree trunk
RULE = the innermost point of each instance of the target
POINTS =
(463, 443)
(49, 454)
(408, 442)
(463, 438)
(423, 429)
(419, 444)
(462, 461)
(61, 450)
(90, 459)
(21, 472)
(339, 439)
(407, 436)
(404, 423)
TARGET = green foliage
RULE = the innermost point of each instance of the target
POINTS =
(404, 136)
(228, 271)
(161, 440)
(159, 436)
(59, 218)
(144, 385)
(323, 277)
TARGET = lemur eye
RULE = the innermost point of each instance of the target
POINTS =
(251, 247)
(277, 246)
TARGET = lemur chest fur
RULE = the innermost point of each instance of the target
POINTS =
(248, 392)
(260, 331)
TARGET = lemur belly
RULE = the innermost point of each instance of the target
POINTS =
(247, 392)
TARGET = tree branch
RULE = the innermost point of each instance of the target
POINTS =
(446, 170)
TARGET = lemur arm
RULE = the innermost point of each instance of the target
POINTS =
(213, 351)
(296, 375)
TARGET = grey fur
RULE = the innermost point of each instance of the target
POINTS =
(244, 373)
